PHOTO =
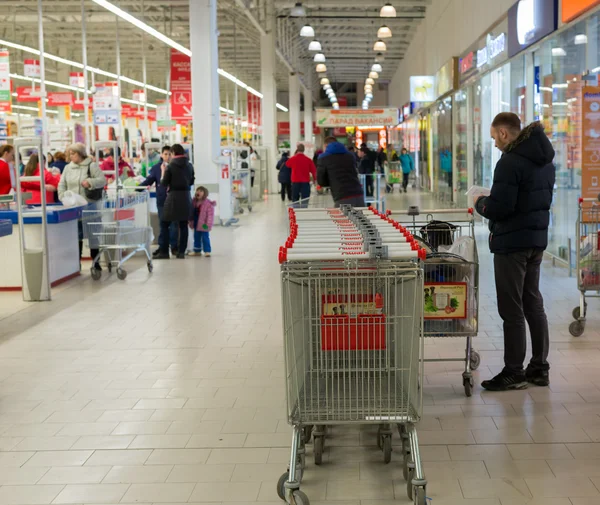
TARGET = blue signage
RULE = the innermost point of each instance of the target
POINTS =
(530, 21)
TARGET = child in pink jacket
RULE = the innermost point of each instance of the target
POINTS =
(202, 221)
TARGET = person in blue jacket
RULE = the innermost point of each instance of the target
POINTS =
(154, 177)
(408, 165)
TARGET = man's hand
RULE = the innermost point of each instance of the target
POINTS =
(86, 184)
(163, 167)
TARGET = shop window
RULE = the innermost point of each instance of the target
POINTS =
(442, 150)
(460, 147)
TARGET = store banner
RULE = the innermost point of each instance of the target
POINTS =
(530, 21)
(127, 111)
(283, 128)
(254, 110)
(60, 99)
(446, 78)
(31, 68)
(181, 87)
(572, 9)
(590, 159)
(79, 103)
(27, 94)
(139, 95)
(5, 93)
(387, 116)
(422, 88)
(106, 104)
(76, 79)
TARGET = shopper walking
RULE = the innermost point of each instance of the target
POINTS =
(285, 177)
(177, 178)
(366, 167)
(7, 176)
(518, 210)
(336, 170)
(203, 216)
(408, 165)
(82, 176)
(303, 169)
(34, 187)
(154, 177)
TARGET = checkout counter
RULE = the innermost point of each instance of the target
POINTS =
(63, 244)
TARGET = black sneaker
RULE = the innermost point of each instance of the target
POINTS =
(156, 253)
(174, 251)
(181, 256)
(506, 381)
(538, 377)
(162, 256)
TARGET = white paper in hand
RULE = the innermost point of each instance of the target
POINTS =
(477, 191)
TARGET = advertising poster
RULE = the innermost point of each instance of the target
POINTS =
(76, 79)
(590, 156)
(422, 88)
(445, 300)
(31, 68)
(181, 87)
(5, 96)
(356, 117)
(106, 104)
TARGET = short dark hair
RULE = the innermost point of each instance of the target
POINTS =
(404, 149)
(330, 140)
(508, 120)
(177, 150)
(300, 148)
(165, 148)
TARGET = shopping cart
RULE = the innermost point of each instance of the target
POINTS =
(241, 187)
(352, 287)
(588, 260)
(319, 199)
(451, 279)
(117, 224)
(393, 175)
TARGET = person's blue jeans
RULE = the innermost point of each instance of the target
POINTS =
(202, 241)
(173, 231)
(300, 193)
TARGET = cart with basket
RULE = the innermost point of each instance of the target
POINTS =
(451, 272)
(352, 285)
(241, 187)
(588, 260)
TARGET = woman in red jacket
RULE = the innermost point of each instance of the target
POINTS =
(32, 169)
(7, 156)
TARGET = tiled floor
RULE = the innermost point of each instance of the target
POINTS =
(169, 388)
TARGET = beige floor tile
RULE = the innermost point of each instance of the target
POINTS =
(104, 442)
(520, 469)
(181, 415)
(177, 457)
(141, 428)
(575, 468)
(217, 440)
(158, 493)
(579, 487)
(14, 459)
(58, 458)
(139, 474)
(439, 490)
(558, 435)
(479, 452)
(195, 427)
(28, 495)
(237, 456)
(539, 451)
(81, 429)
(494, 488)
(124, 416)
(348, 490)
(46, 444)
(539, 501)
(506, 436)
(584, 451)
(91, 493)
(75, 475)
(118, 457)
(226, 492)
(160, 442)
(448, 437)
(452, 470)
(13, 476)
(202, 473)
(175, 403)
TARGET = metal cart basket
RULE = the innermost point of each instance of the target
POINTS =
(451, 290)
(353, 345)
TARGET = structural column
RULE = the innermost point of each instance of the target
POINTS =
(294, 112)
(205, 90)
(268, 89)
(308, 115)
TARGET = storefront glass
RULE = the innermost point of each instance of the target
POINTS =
(423, 153)
(461, 113)
(442, 150)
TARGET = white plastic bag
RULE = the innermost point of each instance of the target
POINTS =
(71, 199)
(464, 247)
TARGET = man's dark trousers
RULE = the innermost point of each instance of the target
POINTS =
(519, 300)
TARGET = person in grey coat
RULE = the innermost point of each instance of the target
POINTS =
(178, 178)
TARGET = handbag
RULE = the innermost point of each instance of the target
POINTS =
(93, 194)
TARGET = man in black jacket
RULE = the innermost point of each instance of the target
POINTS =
(336, 170)
(366, 167)
(518, 210)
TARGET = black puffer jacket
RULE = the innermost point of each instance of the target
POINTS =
(519, 204)
(178, 179)
(336, 170)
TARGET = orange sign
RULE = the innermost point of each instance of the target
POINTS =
(573, 8)
(590, 146)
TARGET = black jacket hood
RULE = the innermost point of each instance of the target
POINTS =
(533, 144)
(180, 161)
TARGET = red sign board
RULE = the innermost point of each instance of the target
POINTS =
(343, 101)
(79, 106)
(254, 111)
(127, 111)
(181, 87)
(466, 63)
(24, 94)
(6, 107)
(573, 8)
(60, 99)
(283, 128)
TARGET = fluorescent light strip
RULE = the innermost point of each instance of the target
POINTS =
(281, 107)
(143, 26)
(35, 109)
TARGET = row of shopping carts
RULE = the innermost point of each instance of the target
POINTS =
(360, 292)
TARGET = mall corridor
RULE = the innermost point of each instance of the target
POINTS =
(178, 395)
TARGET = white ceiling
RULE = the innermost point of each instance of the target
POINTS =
(347, 30)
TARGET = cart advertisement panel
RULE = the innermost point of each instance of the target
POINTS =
(445, 300)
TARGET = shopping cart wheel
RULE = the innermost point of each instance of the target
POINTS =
(475, 360)
(307, 434)
(150, 267)
(121, 274)
(281, 485)
(387, 448)
(576, 328)
(249, 208)
(300, 498)
(109, 266)
(96, 274)
(420, 496)
(468, 384)
(318, 444)
(405, 469)
(577, 312)
(409, 484)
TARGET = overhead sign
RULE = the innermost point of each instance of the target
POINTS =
(28, 94)
(106, 104)
(31, 68)
(254, 112)
(530, 21)
(422, 88)
(5, 94)
(493, 48)
(357, 117)
(76, 79)
(283, 128)
(139, 95)
(60, 99)
(181, 87)
(574, 8)
(446, 78)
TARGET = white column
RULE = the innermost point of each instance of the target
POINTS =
(308, 115)
(205, 90)
(268, 88)
(294, 112)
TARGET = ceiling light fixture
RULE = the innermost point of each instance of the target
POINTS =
(387, 11)
(321, 67)
(324, 81)
(380, 46)
(373, 75)
(314, 45)
(379, 58)
(384, 32)
(298, 11)
(368, 87)
(281, 107)
(370, 81)
(376, 68)
(307, 31)
(319, 58)
(327, 87)
(333, 99)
